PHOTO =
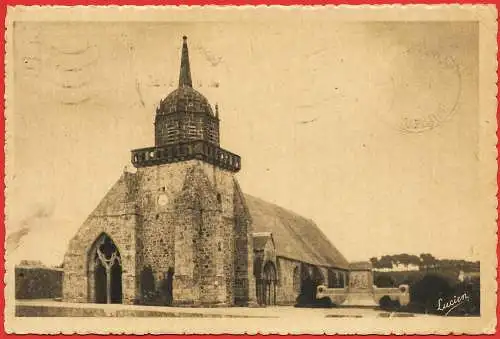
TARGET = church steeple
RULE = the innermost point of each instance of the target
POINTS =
(185, 73)
(186, 128)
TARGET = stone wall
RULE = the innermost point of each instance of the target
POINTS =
(115, 216)
(287, 291)
(290, 276)
(158, 189)
(38, 282)
(188, 225)
(244, 288)
(180, 219)
(217, 249)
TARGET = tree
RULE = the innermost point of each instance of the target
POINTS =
(407, 259)
(427, 261)
(384, 280)
(425, 293)
(385, 262)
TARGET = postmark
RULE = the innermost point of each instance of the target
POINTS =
(423, 84)
(430, 111)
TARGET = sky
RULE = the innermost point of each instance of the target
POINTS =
(368, 128)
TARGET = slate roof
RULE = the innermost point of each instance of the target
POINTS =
(184, 99)
(295, 237)
(260, 240)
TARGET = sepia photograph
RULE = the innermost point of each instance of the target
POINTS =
(291, 170)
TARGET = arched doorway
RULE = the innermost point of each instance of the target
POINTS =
(166, 287)
(269, 280)
(105, 272)
(147, 285)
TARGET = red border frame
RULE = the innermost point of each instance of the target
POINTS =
(3, 12)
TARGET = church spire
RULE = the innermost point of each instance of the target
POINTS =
(185, 74)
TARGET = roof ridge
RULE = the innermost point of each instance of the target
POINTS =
(295, 236)
(282, 208)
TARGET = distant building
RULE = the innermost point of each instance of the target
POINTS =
(466, 276)
(399, 267)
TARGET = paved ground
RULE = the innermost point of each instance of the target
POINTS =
(57, 308)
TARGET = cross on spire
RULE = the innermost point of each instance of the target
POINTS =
(185, 73)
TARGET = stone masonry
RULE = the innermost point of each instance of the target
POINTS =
(179, 216)
(180, 231)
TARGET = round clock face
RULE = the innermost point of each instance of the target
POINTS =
(162, 200)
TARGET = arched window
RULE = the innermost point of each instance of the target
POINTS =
(341, 280)
(317, 276)
(105, 271)
(278, 272)
(332, 279)
(296, 279)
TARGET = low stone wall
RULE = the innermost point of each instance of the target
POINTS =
(65, 310)
(48, 311)
(38, 282)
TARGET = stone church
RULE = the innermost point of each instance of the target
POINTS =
(180, 231)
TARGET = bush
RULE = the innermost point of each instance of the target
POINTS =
(387, 304)
(425, 293)
(384, 280)
(472, 306)
(399, 278)
(38, 283)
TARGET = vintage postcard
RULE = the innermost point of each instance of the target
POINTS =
(290, 170)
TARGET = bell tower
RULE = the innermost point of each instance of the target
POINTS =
(186, 127)
(175, 232)
(194, 230)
